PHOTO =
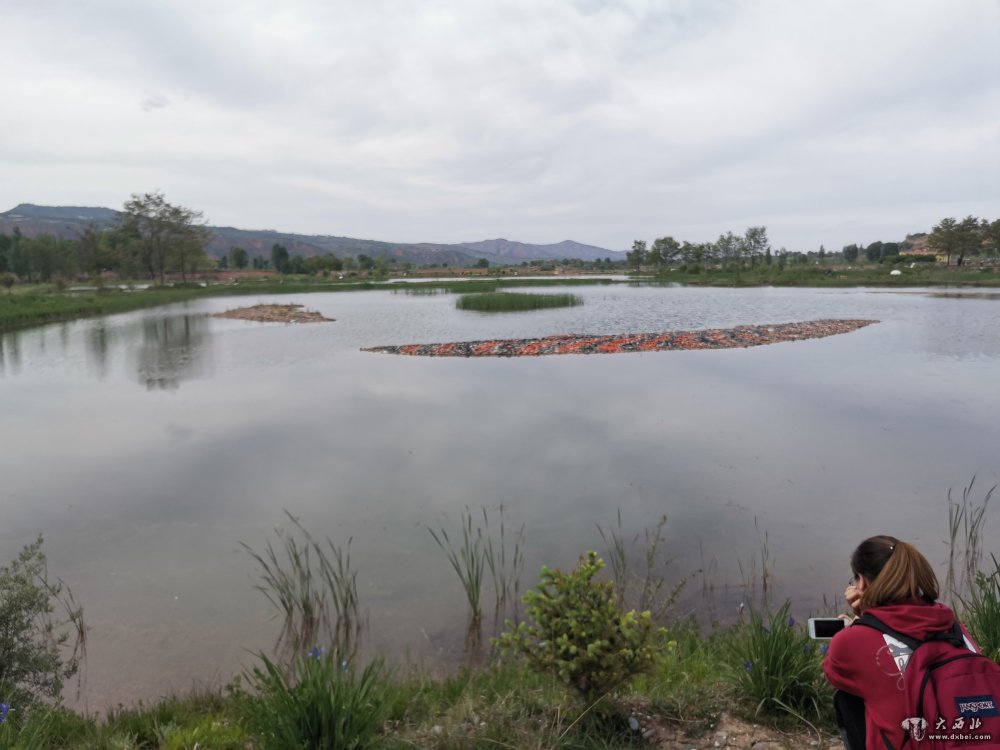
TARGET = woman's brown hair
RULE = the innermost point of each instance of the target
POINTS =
(895, 572)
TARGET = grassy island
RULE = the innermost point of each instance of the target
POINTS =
(514, 301)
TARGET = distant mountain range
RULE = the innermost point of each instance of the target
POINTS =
(68, 222)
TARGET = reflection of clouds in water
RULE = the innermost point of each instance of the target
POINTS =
(823, 441)
(953, 329)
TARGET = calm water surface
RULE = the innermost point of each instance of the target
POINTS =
(147, 446)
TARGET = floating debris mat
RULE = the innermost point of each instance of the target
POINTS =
(274, 314)
(713, 338)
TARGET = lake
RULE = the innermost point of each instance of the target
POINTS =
(147, 446)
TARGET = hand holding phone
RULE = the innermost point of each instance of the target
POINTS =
(825, 627)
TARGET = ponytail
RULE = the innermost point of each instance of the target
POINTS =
(895, 571)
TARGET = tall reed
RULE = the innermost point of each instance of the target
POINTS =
(314, 589)
(642, 590)
(468, 560)
(498, 550)
(505, 561)
(965, 533)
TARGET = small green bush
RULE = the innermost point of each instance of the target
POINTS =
(32, 663)
(578, 633)
(778, 669)
(981, 611)
(322, 703)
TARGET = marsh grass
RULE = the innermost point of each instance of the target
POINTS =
(468, 560)
(315, 591)
(514, 301)
(641, 589)
(965, 535)
(981, 610)
(497, 549)
(505, 562)
(777, 668)
(752, 577)
(326, 703)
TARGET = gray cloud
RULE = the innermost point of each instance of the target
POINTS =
(598, 121)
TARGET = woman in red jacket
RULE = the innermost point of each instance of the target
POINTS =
(895, 583)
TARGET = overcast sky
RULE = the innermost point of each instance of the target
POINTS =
(828, 121)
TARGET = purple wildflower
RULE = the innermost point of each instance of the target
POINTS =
(823, 648)
(747, 665)
(317, 651)
(766, 631)
(4, 708)
(791, 622)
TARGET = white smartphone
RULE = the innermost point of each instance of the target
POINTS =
(825, 627)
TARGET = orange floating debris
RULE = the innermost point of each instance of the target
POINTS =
(713, 338)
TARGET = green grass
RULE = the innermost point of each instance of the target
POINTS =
(33, 305)
(514, 301)
(763, 274)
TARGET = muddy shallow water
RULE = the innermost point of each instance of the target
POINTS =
(147, 446)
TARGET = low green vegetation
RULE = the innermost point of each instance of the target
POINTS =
(840, 275)
(514, 301)
(577, 633)
(575, 672)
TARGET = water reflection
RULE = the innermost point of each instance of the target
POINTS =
(172, 349)
(98, 342)
(10, 353)
(824, 442)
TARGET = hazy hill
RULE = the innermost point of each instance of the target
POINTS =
(68, 222)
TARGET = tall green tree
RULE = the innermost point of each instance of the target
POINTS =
(874, 251)
(968, 238)
(755, 243)
(163, 233)
(728, 247)
(850, 253)
(5, 243)
(238, 257)
(668, 249)
(637, 254)
(991, 237)
(280, 261)
(943, 239)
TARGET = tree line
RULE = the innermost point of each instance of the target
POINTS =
(950, 238)
(153, 238)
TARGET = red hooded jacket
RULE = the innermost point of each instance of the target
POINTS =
(866, 663)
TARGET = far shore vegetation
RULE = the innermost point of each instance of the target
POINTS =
(591, 658)
(156, 244)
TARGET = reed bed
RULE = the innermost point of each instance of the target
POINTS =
(492, 302)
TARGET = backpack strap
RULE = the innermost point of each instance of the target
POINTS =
(873, 622)
(954, 635)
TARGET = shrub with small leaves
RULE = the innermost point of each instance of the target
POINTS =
(33, 662)
(577, 632)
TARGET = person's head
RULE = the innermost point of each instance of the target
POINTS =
(888, 571)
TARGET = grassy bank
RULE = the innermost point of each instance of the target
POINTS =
(758, 679)
(922, 274)
(27, 306)
(44, 304)
(504, 705)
